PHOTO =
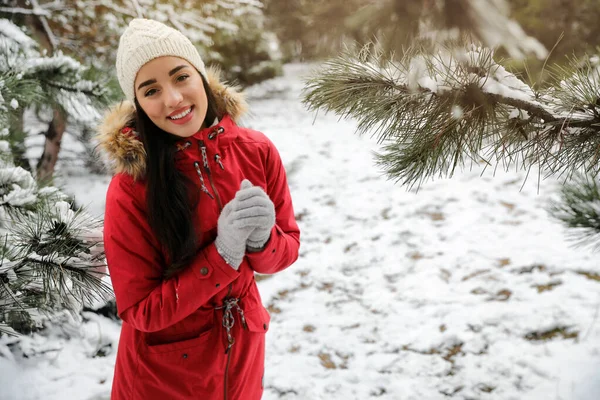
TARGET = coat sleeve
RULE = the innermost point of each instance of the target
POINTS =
(281, 250)
(144, 299)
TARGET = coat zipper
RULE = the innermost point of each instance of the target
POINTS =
(226, 369)
(210, 179)
(228, 352)
(202, 185)
(220, 204)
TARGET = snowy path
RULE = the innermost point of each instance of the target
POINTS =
(444, 293)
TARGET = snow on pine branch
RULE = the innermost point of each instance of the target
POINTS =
(17, 187)
(51, 256)
(435, 112)
(578, 208)
(62, 76)
(12, 33)
(419, 73)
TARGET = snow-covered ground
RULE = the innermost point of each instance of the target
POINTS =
(465, 289)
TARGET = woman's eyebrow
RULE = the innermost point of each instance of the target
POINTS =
(174, 70)
(171, 73)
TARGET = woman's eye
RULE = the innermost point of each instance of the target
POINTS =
(150, 92)
(182, 78)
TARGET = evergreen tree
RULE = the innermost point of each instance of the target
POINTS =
(250, 53)
(65, 90)
(446, 103)
(51, 256)
(579, 209)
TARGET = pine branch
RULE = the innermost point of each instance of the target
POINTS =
(579, 209)
(49, 260)
(7, 330)
(437, 112)
(535, 110)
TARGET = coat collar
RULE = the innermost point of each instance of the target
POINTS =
(118, 139)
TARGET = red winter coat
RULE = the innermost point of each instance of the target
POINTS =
(173, 342)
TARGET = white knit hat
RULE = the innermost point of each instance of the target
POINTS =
(145, 40)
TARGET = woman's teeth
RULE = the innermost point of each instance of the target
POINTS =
(183, 114)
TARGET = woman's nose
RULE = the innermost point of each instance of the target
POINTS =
(172, 97)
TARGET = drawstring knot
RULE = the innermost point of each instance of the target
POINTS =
(228, 318)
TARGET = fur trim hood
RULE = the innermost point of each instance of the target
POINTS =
(118, 140)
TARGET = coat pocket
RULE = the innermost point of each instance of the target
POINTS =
(258, 319)
(181, 345)
(183, 370)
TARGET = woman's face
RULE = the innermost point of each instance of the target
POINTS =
(170, 91)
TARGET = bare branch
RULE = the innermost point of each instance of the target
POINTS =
(25, 11)
(51, 38)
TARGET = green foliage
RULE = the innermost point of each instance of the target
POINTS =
(51, 259)
(15, 87)
(48, 253)
(436, 112)
(65, 87)
(439, 106)
(45, 84)
(248, 55)
(579, 209)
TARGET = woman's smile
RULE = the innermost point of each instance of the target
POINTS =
(182, 116)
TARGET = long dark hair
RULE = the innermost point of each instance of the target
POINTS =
(170, 195)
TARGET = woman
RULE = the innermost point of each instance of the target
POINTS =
(196, 206)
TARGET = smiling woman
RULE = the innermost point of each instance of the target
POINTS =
(171, 92)
(196, 206)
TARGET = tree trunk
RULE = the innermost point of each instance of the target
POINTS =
(47, 162)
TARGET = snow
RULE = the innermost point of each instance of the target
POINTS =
(507, 84)
(64, 213)
(457, 112)
(443, 72)
(18, 187)
(396, 295)
(12, 33)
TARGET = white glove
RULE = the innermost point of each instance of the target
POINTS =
(238, 219)
(259, 214)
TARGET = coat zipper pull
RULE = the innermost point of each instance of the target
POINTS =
(204, 155)
(203, 186)
(218, 160)
(207, 169)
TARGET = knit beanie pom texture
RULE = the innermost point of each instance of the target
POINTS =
(145, 40)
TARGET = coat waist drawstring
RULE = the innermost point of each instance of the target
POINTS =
(229, 305)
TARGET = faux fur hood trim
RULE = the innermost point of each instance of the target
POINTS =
(118, 139)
